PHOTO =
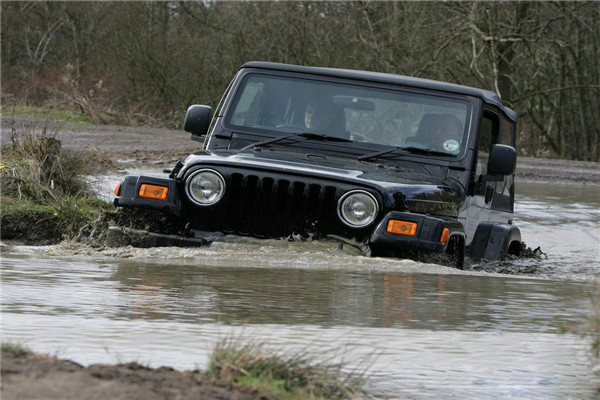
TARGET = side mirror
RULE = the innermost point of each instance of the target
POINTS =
(503, 160)
(197, 120)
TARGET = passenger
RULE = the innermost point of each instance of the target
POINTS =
(446, 134)
(322, 116)
(439, 132)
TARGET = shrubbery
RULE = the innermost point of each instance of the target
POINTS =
(46, 191)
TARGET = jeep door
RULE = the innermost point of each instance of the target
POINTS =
(482, 193)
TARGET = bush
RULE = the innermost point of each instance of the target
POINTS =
(35, 166)
(46, 191)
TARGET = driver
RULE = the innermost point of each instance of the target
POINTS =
(318, 116)
(323, 116)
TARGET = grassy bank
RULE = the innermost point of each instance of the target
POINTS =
(46, 113)
(15, 349)
(287, 376)
(237, 370)
(33, 223)
(46, 194)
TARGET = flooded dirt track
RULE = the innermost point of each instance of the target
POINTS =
(564, 220)
(423, 335)
(420, 330)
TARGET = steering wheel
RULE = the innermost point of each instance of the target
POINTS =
(359, 137)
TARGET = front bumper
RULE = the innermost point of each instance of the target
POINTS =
(426, 238)
(128, 194)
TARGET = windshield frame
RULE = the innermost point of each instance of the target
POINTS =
(473, 104)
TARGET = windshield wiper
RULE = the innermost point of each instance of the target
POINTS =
(417, 150)
(379, 153)
(420, 150)
(307, 135)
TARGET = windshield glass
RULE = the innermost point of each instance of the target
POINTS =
(358, 113)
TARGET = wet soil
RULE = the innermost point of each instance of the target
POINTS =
(557, 171)
(122, 144)
(30, 376)
(95, 233)
(31, 228)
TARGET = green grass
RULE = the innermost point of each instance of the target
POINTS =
(270, 387)
(277, 375)
(68, 216)
(83, 206)
(46, 114)
(15, 349)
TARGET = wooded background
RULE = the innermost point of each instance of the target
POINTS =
(145, 62)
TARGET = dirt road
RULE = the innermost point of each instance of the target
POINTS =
(145, 145)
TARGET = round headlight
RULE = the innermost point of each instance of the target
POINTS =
(358, 208)
(205, 187)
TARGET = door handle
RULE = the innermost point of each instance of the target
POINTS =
(489, 193)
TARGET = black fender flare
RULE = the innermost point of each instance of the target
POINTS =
(492, 240)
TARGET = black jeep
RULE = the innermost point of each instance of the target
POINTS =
(399, 165)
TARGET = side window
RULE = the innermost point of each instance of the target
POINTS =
(488, 135)
(507, 132)
(505, 190)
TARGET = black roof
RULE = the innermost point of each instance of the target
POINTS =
(486, 95)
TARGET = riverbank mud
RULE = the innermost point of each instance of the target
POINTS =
(26, 375)
(31, 227)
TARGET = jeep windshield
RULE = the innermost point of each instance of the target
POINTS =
(285, 105)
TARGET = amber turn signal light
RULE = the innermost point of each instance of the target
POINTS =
(402, 227)
(445, 235)
(154, 192)
(117, 189)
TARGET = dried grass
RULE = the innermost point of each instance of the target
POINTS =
(37, 167)
(46, 190)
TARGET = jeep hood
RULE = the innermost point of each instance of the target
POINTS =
(415, 185)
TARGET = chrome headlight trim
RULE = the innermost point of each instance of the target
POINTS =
(189, 182)
(350, 193)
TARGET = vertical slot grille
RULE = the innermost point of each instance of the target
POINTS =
(271, 207)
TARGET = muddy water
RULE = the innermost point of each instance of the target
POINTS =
(420, 330)
(565, 221)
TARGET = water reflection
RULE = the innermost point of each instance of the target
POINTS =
(291, 296)
(443, 336)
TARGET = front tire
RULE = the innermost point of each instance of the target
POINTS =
(456, 252)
